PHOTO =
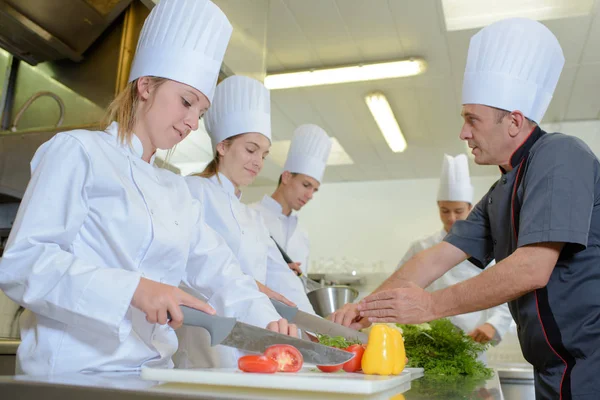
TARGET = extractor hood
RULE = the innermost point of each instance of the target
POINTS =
(46, 30)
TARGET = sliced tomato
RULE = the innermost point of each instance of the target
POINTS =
(354, 364)
(287, 357)
(330, 368)
(257, 363)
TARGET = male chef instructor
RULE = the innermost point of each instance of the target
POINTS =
(540, 220)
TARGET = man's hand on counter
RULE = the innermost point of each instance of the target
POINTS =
(348, 316)
(409, 304)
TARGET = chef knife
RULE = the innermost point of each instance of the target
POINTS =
(229, 332)
(315, 324)
(309, 284)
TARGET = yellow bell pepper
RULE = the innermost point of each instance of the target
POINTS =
(400, 362)
(385, 354)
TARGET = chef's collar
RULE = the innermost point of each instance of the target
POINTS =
(272, 205)
(520, 153)
(136, 148)
(222, 181)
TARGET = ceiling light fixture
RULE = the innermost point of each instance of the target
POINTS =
(352, 73)
(384, 117)
(469, 14)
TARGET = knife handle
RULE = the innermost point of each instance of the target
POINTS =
(284, 310)
(218, 327)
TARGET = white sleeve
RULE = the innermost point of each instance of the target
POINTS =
(214, 271)
(38, 269)
(414, 248)
(283, 280)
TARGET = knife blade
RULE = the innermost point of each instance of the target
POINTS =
(315, 324)
(232, 333)
(309, 284)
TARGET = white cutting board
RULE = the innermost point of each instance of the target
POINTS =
(305, 380)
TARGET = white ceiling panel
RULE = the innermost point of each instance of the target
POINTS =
(572, 34)
(374, 41)
(326, 30)
(591, 53)
(286, 40)
(585, 100)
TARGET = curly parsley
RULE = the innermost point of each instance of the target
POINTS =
(440, 348)
(339, 342)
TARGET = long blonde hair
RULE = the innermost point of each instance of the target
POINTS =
(212, 168)
(124, 106)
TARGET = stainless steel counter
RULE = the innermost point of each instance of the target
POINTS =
(8, 351)
(124, 386)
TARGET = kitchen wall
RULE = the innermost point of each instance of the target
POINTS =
(368, 225)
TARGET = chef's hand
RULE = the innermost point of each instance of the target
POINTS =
(409, 304)
(156, 299)
(295, 266)
(348, 316)
(484, 333)
(274, 295)
(284, 327)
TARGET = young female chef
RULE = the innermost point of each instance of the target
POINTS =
(239, 124)
(103, 238)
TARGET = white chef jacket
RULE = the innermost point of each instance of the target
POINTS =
(285, 230)
(499, 317)
(246, 234)
(94, 219)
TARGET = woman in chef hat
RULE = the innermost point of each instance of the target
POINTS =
(239, 125)
(103, 237)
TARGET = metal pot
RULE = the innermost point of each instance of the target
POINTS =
(328, 299)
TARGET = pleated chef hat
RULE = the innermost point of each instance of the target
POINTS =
(455, 182)
(185, 41)
(308, 152)
(240, 105)
(513, 64)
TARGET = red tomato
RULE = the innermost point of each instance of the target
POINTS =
(287, 357)
(257, 363)
(354, 364)
(330, 368)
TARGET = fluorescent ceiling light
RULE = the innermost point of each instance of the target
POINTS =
(469, 14)
(338, 156)
(384, 117)
(353, 73)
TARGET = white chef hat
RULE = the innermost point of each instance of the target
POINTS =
(513, 64)
(455, 182)
(241, 105)
(308, 152)
(185, 41)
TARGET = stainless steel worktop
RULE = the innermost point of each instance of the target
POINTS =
(125, 386)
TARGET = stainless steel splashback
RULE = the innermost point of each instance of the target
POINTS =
(16, 152)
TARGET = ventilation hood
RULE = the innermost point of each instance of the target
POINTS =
(46, 30)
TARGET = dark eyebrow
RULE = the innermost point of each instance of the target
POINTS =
(468, 114)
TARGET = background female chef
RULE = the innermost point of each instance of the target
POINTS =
(239, 125)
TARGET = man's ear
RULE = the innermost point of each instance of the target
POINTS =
(517, 123)
(286, 177)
